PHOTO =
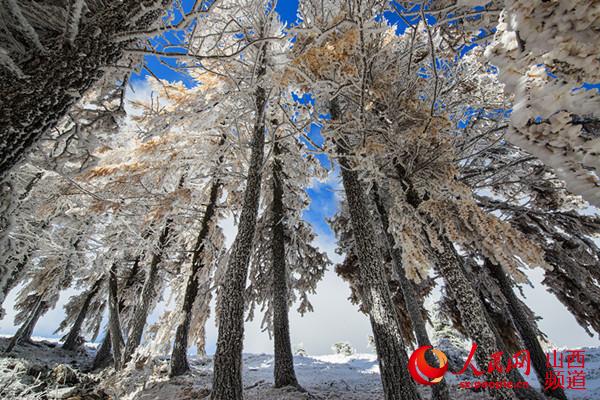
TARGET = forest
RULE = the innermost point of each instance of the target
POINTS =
(463, 137)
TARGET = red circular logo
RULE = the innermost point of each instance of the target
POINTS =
(424, 373)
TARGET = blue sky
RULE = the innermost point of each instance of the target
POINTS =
(287, 10)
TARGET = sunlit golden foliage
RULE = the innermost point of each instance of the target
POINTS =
(106, 170)
(332, 58)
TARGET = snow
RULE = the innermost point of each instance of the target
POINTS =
(332, 376)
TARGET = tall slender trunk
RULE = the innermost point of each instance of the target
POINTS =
(526, 329)
(116, 334)
(284, 373)
(25, 331)
(439, 390)
(72, 339)
(514, 375)
(179, 363)
(375, 295)
(103, 355)
(227, 379)
(140, 314)
(472, 313)
(374, 290)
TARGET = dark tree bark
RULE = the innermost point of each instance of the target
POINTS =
(140, 313)
(103, 355)
(72, 339)
(374, 290)
(25, 331)
(114, 322)
(55, 79)
(472, 313)
(375, 295)
(102, 359)
(227, 379)
(284, 373)
(179, 364)
(514, 375)
(412, 305)
(525, 328)
(471, 310)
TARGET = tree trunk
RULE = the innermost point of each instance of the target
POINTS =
(179, 363)
(26, 329)
(55, 80)
(526, 329)
(140, 314)
(514, 375)
(439, 390)
(527, 393)
(227, 379)
(374, 290)
(375, 295)
(72, 339)
(393, 360)
(284, 373)
(103, 355)
(472, 313)
(116, 335)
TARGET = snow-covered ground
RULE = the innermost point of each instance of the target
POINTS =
(37, 371)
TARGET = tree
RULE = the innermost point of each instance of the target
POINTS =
(227, 381)
(56, 64)
(51, 274)
(17, 190)
(114, 321)
(332, 58)
(147, 295)
(375, 294)
(284, 360)
(527, 331)
(179, 364)
(220, 155)
(129, 289)
(409, 293)
(72, 339)
(44, 180)
(554, 118)
(546, 83)
(371, 111)
(285, 265)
